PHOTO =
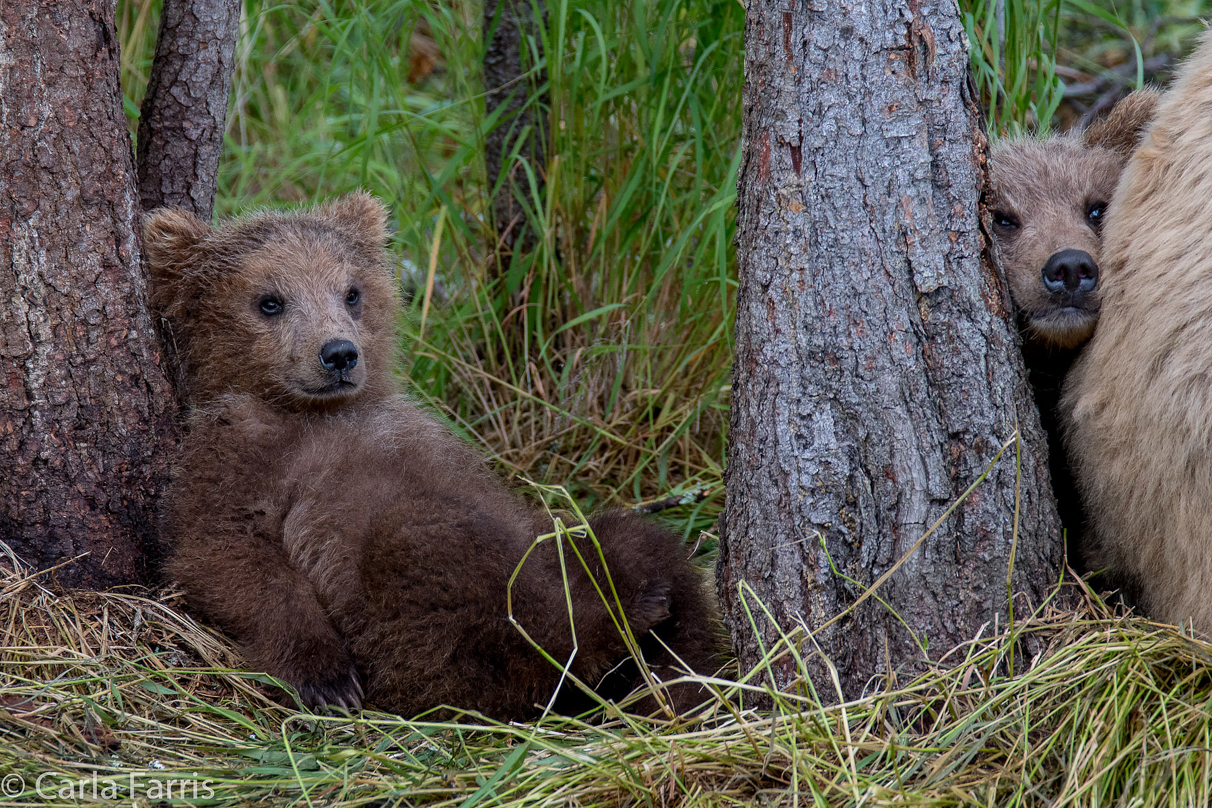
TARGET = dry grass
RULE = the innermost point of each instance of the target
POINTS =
(1104, 711)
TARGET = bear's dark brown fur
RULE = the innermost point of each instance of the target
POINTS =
(1049, 197)
(343, 536)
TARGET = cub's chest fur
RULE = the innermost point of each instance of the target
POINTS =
(324, 482)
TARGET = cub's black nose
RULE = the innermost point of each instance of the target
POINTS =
(339, 354)
(1072, 271)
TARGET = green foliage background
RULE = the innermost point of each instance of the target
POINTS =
(602, 360)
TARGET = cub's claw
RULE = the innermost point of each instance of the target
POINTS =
(342, 690)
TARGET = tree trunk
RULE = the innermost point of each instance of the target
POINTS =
(85, 411)
(184, 112)
(509, 28)
(877, 371)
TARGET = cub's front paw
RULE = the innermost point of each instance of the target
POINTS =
(323, 673)
(341, 689)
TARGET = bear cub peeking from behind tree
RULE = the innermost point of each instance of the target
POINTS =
(352, 545)
(1049, 199)
(1048, 202)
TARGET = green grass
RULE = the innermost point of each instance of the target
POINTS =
(1102, 710)
(1013, 50)
(1044, 64)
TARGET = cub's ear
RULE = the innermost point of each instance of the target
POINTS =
(170, 240)
(1121, 130)
(360, 216)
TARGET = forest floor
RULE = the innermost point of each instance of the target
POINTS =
(122, 698)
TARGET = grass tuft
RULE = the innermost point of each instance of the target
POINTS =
(105, 687)
(1013, 61)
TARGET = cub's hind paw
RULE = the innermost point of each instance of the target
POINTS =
(322, 673)
(651, 605)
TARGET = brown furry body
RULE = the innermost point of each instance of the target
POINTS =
(1049, 197)
(1138, 403)
(341, 535)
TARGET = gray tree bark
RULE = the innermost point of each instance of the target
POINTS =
(877, 371)
(85, 410)
(184, 113)
(509, 28)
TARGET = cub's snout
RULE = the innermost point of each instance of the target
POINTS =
(1071, 273)
(339, 355)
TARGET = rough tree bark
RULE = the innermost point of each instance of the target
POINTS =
(85, 410)
(509, 28)
(184, 113)
(877, 371)
(184, 116)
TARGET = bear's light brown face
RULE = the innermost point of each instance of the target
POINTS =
(296, 309)
(301, 319)
(1048, 203)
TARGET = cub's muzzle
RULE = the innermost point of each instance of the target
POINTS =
(1070, 271)
(339, 355)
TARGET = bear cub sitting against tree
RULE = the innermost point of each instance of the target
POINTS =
(1049, 199)
(352, 545)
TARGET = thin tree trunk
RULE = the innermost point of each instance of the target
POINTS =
(85, 410)
(184, 112)
(509, 28)
(877, 371)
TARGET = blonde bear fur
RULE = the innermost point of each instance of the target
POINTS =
(1138, 404)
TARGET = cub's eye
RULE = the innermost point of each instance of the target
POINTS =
(1005, 221)
(1095, 213)
(270, 305)
(352, 297)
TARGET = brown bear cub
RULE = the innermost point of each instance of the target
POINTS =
(1138, 404)
(352, 545)
(1048, 203)
(1049, 200)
